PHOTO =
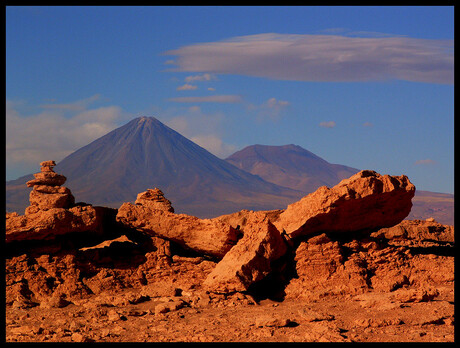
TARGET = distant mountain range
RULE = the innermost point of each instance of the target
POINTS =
(145, 153)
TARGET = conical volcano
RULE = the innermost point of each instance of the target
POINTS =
(144, 154)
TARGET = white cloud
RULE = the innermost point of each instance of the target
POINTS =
(328, 124)
(271, 109)
(186, 87)
(208, 99)
(425, 162)
(322, 58)
(202, 128)
(52, 134)
(203, 77)
(211, 89)
(215, 145)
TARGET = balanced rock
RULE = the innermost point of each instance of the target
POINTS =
(47, 176)
(366, 200)
(47, 191)
(207, 236)
(154, 199)
(249, 261)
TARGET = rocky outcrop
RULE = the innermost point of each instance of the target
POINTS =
(250, 259)
(207, 236)
(48, 192)
(154, 199)
(367, 200)
(53, 222)
(418, 229)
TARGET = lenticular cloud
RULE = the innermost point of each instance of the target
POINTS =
(322, 58)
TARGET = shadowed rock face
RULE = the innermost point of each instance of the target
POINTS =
(250, 259)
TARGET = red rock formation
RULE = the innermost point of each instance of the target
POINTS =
(418, 229)
(250, 259)
(154, 199)
(207, 236)
(53, 222)
(47, 192)
(367, 200)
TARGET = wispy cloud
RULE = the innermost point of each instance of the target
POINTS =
(368, 124)
(205, 129)
(425, 162)
(202, 77)
(271, 109)
(186, 87)
(78, 105)
(208, 99)
(328, 124)
(322, 58)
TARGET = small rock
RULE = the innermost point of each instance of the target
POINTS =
(77, 337)
(113, 315)
(311, 315)
(271, 322)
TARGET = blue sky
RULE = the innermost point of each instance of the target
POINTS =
(367, 87)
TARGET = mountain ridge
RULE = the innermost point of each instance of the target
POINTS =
(290, 166)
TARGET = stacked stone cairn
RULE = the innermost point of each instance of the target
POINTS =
(48, 192)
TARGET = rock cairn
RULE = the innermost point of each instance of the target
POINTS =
(48, 192)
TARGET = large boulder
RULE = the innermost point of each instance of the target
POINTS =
(250, 260)
(366, 200)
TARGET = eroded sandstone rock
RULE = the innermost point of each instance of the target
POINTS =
(154, 199)
(418, 230)
(250, 259)
(47, 191)
(207, 236)
(53, 222)
(366, 200)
